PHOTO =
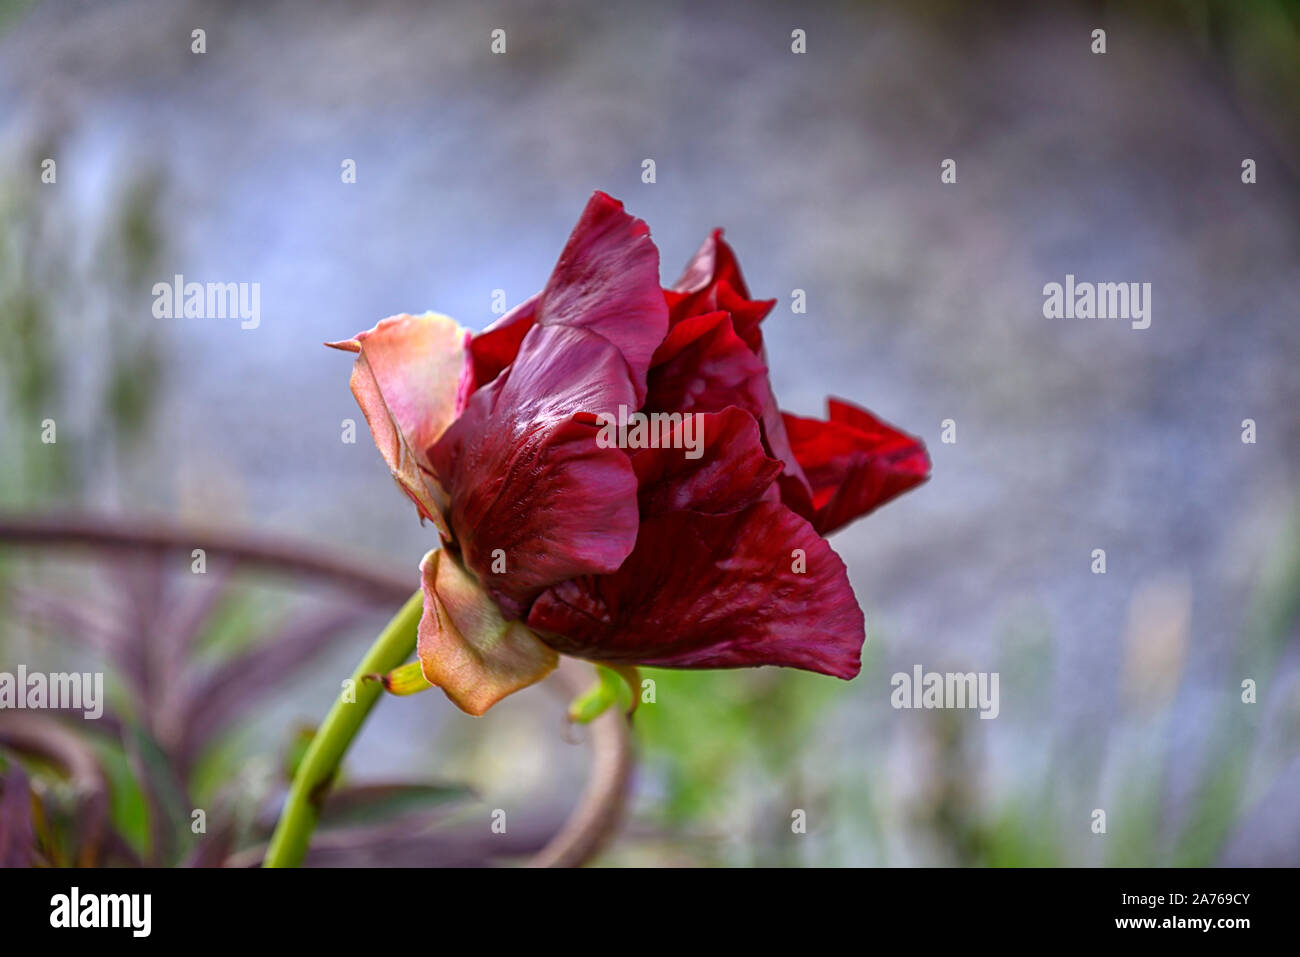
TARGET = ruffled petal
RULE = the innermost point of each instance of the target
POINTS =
(607, 282)
(466, 647)
(715, 261)
(412, 378)
(534, 498)
(712, 281)
(530, 488)
(854, 462)
(703, 365)
(722, 468)
(714, 591)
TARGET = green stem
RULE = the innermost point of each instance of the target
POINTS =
(315, 774)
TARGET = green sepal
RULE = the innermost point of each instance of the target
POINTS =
(407, 679)
(614, 686)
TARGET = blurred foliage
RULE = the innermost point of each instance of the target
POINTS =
(11, 11)
(31, 269)
(163, 780)
(708, 732)
(129, 256)
(719, 721)
(1256, 44)
(1272, 622)
(52, 308)
(724, 735)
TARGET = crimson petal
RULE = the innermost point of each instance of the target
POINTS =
(712, 281)
(606, 281)
(534, 499)
(855, 462)
(496, 346)
(703, 365)
(731, 471)
(529, 486)
(713, 591)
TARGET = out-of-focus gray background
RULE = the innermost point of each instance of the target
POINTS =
(1119, 691)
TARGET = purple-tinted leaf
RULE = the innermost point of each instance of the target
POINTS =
(46, 737)
(183, 618)
(164, 793)
(81, 621)
(144, 582)
(214, 848)
(180, 626)
(375, 803)
(403, 846)
(17, 833)
(219, 698)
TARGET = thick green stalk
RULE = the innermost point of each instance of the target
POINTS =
(392, 648)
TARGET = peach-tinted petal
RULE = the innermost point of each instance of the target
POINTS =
(466, 646)
(412, 378)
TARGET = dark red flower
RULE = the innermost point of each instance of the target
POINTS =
(694, 543)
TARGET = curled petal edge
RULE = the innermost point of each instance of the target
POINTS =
(466, 646)
(412, 378)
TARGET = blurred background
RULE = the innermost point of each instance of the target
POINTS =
(1120, 691)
